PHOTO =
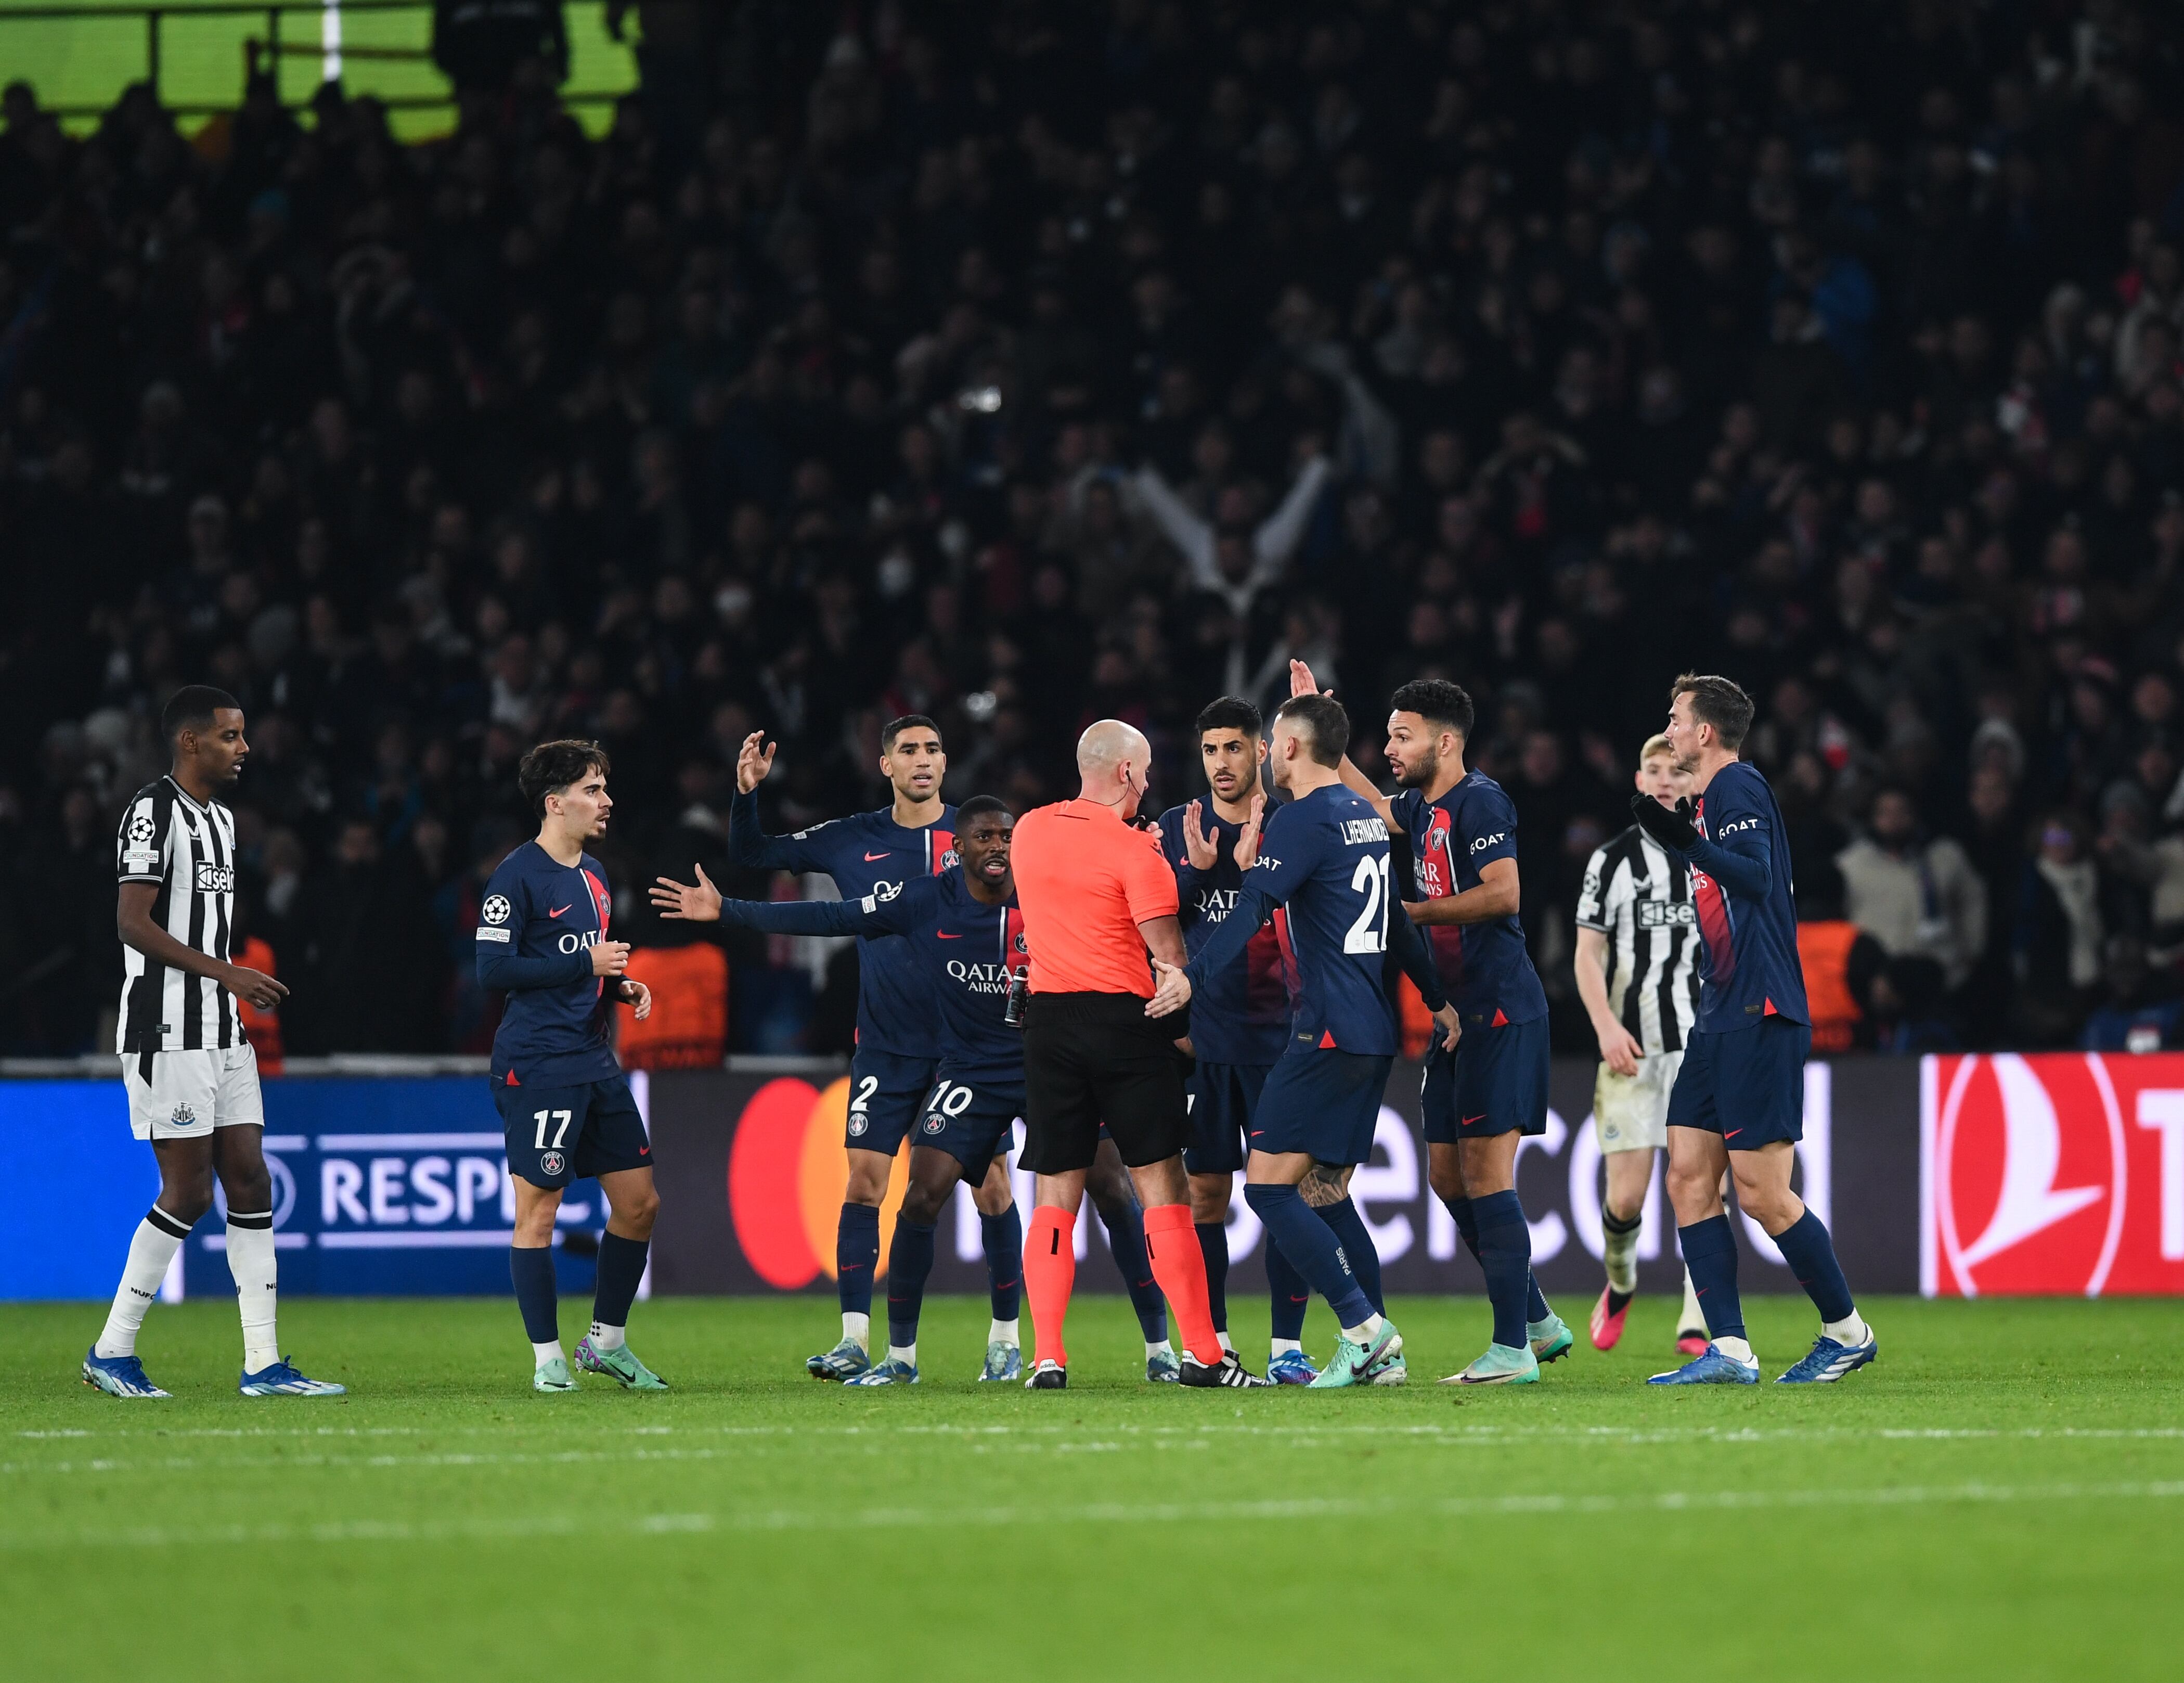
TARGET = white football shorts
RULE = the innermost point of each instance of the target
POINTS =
(192, 1093)
(1631, 1112)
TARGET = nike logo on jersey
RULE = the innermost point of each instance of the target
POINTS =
(559, 910)
(945, 936)
(872, 856)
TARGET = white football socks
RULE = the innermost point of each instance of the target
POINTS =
(604, 1337)
(1690, 1315)
(905, 1353)
(1163, 1348)
(1619, 1252)
(541, 1354)
(254, 1262)
(1282, 1347)
(1224, 1336)
(1849, 1332)
(1003, 1332)
(857, 1328)
(1366, 1330)
(1737, 1348)
(151, 1251)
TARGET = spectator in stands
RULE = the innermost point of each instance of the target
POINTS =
(1916, 894)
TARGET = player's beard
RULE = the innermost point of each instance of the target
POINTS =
(1428, 768)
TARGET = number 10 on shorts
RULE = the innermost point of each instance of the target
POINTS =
(561, 1131)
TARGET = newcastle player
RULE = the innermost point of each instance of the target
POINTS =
(190, 1076)
(1637, 973)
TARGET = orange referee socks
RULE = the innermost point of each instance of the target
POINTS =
(1050, 1274)
(1179, 1266)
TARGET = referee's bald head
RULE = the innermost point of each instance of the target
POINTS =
(1115, 761)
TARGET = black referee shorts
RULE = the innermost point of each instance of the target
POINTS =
(1090, 1058)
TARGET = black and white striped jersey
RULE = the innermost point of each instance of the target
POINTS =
(1639, 896)
(189, 850)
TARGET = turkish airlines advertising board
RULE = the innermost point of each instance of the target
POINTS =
(2054, 1173)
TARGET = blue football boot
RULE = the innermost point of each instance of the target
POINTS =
(1829, 1361)
(1712, 1368)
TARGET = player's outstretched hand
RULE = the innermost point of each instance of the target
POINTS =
(1451, 1027)
(253, 987)
(637, 995)
(754, 759)
(1247, 839)
(1173, 993)
(1202, 854)
(1301, 682)
(1673, 829)
(699, 905)
(1618, 1050)
(610, 958)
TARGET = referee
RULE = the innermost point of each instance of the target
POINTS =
(1096, 895)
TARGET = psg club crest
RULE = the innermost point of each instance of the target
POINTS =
(552, 1163)
(495, 909)
(856, 1126)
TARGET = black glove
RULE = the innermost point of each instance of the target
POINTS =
(1673, 830)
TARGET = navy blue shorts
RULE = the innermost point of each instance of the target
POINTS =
(1323, 1101)
(970, 1120)
(558, 1134)
(886, 1097)
(1748, 1086)
(1494, 1082)
(1223, 1099)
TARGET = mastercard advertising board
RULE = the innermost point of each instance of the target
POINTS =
(751, 1171)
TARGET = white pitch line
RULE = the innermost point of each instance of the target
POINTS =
(765, 1520)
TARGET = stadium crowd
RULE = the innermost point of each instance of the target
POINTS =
(1023, 364)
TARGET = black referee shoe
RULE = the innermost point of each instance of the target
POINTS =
(1228, 1373)
(1049, 1375)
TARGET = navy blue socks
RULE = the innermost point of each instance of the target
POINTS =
(1310, 1246)
(1003, 1235)
(1710, 1253)
(1289, 1292)
(856, 1255)
(621, 1266)
(910, 1264)
(1811, 1255)
(532, 1273)
(1505, 1257)
(1213, 1246)
(1126, 1241)
(1349, 1230)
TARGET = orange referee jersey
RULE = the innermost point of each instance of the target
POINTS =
(1085, 881)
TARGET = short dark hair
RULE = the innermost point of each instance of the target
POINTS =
(552, 767)
(1324, 717)
(191, 708)
(1438, 702)
(1718, 701)
(978, 806)
(895, 727)
(1230, 713)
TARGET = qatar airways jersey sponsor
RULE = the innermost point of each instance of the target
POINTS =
(1242, 1016)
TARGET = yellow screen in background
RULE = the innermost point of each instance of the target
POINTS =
(85, 62)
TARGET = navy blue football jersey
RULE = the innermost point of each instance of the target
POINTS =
(1243, 1014)
(961, 951)
(1484, 966)
(1325, 859)
(537, 927)
(896, 1011)
(1749, 968)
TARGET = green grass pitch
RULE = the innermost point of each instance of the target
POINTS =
(2001, 1497)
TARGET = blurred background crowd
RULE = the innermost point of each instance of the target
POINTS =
(1022, 362)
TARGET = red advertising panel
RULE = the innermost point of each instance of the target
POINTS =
(2052, 1174)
